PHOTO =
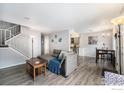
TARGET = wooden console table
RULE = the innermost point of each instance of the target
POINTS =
(34, 68)
(100, 54)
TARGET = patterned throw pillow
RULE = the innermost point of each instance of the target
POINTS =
(113, 79)
(56, 53)
(120, 80)
(110, 78)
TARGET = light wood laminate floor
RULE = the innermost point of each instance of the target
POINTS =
(87, 73)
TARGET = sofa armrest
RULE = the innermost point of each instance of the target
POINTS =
(71, 63)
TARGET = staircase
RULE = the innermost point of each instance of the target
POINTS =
(10, 57)
(6, 34)
(10, 54)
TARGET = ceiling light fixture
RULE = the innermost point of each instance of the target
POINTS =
(75, 34)
(27, 18)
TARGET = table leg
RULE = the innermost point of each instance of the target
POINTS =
(45, 70)
(34, 73)
(96, 58)
(39, 70)
(26, 67)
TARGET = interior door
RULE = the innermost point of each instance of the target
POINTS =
(42, 44)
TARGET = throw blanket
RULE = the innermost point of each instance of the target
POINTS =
(54, 65)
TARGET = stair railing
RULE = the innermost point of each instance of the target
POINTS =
(6, 34)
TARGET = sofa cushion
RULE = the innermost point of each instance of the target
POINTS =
(56, 53)
(46, 57)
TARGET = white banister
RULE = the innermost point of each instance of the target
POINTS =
(5, 36)
(0, 37)
(8, 33)
(12, 27)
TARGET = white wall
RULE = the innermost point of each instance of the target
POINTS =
(8, 58)
(64, 45)
(90, 50)
(46, 46)
(23, 42)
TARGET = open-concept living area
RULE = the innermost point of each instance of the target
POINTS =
(61, 44)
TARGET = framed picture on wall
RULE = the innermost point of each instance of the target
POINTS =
(92, 40)
(72, 40)
(52, 40)
(60, 40)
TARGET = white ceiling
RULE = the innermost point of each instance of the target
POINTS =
(49, 18)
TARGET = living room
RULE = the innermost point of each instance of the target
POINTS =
(58, 44)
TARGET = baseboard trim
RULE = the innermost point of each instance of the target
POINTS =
(2, 46)
(87, 56)
(13, 65)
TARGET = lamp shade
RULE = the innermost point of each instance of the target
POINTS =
(118, 20)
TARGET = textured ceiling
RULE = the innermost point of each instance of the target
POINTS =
(49, 18)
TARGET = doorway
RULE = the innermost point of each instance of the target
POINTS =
(42, 44)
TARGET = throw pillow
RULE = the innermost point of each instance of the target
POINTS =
(110, 78)
(61, 56)
(120, 80)
(113, 79)
(56, 53)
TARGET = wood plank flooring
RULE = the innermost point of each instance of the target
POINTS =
(87, 73)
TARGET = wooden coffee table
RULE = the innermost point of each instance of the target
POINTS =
(35, 67)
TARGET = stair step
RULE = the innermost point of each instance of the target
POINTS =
(4, 46)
